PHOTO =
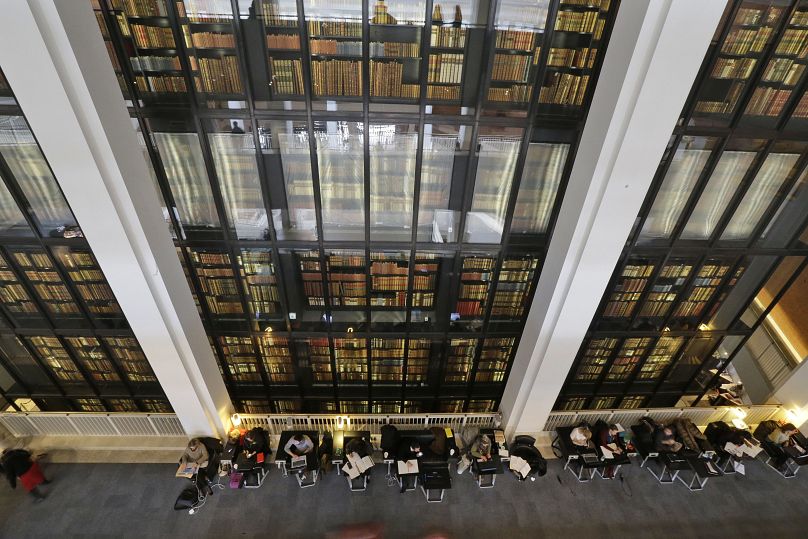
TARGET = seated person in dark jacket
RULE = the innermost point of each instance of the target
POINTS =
(408, 449)
(610, 439)
(17, 463)
(359, 448)
(665, 441)
(255, 443)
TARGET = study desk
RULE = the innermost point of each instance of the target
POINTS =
(341, 439)
(672, 464)
(700, 471)
(495, 447)
(306, 477)
(487, 471)
(435, 480)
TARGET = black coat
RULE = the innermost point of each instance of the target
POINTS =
(404, 452)
(15, 463)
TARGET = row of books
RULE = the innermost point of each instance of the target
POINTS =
(283, 41)
(95, 292)
(603, 5)
(205, 11)
(512, 275)
(287, 76)
(141, 8)
(390, 268)
(745, 40)
(397, 49)
(783, 70)
(509, 67)
(52, 292)
(155, 63)
(386, 81)
(217, 306)
(75, 259)
(264, 293)
(516, 40)
(332, 46)
(576, 21)
(337, 77)
(220, 75)
(443, 93)
(793, 42)
(207, 40)
(346, 260)
(445, 68)
(800, 18)
(161, 83)
(152, 37)
(689, 309)
(516, 93)
(748, 16)
(478, 263)
(469, 308)
(733, 68)
(347, 28)
(564, 89)
(39, 260)
(767, 101)
(583, 57)
(218, 287)
(657, 305)
(619, 309)
(448, 37)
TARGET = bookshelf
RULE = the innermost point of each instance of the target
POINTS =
(88, 281)
(130, 358)
(513, 287)
(340, 158)
(541, 178)
(663, 292)
(278, 25)
(335, 32)
(393, 150)
(347, 283)
(311, 274)
(97, 364)
(110, 46)
(122, 405)
(14, 296)
(573, 53)
(257, 271)
(315, 353)
(455, 32)
(351, 357)
(57, 360)
(386, 361)
(594, 359)
(659, 358)
(475, 285)
(628, 289)
(738, 58)
(48, 285)
(425, 277)
(419, 352)
(239, 357)
(627, 358)
(459, 360)
(396, 29)
(495, 357)
(706, 283)
(389, 273)
(217, 281)
(277, 359)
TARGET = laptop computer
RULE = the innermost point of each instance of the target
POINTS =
(486, 466)
(589, 458)
(298, 462)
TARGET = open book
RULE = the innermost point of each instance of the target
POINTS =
(350, 471)
(410, 466)
(520, 466)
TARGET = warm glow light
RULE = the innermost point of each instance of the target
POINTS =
(704, 327)
(740, 413)
(235, 419)
(350, 330)
(666, 328)
(268, 329)
(343, 421)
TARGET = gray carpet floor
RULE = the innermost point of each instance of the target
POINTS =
(136, 500)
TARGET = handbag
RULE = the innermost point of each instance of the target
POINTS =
(235, 480)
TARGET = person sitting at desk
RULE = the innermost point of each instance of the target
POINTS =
(611, 440)
(255, 443)
(408, 449)
(665, 441)
(195, 453)
(581, 437)
(481, 448)
(782, 435)
(359, 448)
(298, 445)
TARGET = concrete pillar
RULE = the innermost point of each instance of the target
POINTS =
(653, 57)
(53, 55)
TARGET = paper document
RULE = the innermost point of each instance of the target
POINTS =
(503, 452)
(350, 471)
(520, 466)
(739, 467)
(751, 449)
(613, 447)
(410, 466)
(364, 464)
(499, 436)
(607, 453)
(186, 470)
(734, 450)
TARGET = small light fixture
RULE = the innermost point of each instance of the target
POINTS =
(343, 421)
(666, 329)
(740, 413)
(235, 419)
(350, 330)
(704, 327)
(268, 329)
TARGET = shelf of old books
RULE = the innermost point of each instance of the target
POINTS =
(425, 280)
(311, 274)
(703, 289)
(130, 358)
(594, 358)
(739, 56)
(475, 286)
(494, 359)
(659, 358)
(419, 352)
(92, 356)
(511, 295)
(335, 35)
(396, 29)
(258, 274)
(113, 56)
(626, 359)
(217, 281)
(239, 358)
(459, 360)
(662, 294)
(210, 43)
(389, 273)
(277, 358)
(145, 30)
(393, 149)
(783, 73)
(386, 361)
(345, 275)
(57, 360)
(727, 288)
(577, 40)
(82, 269)
(48, 285)
(628, 289)
(351, 357)
(15, 298)
(314, 357)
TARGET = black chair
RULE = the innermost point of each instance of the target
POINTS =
(524, 447)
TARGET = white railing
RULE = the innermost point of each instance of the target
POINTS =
(701, 416)
(21, 424)
(275, 424)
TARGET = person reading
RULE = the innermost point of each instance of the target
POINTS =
(665, 441)
(408, 450)
(611, 440)
(193, 458)
(298, 445)
(356, 450)
(253, 449)
(783, 437)
(581, 437)
(481, 448)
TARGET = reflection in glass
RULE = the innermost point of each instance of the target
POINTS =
(23, 365)
(774, 285)
(436, 222)
(188, 179)
(340, 158)
(660, 357)
(234, 158)
(492, 187)
(392, 179)
(152, 175)
(758, 197)
(29, 168)
(12, 220)
(725, 179)
(300, 218)
(538, 188)
(683, 173)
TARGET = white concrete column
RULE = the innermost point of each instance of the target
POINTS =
(55, 60)
(653, 57)
(793, 395)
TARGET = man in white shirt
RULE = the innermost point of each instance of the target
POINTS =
(298, 445)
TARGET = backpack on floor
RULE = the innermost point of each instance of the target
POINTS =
(188, 499)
